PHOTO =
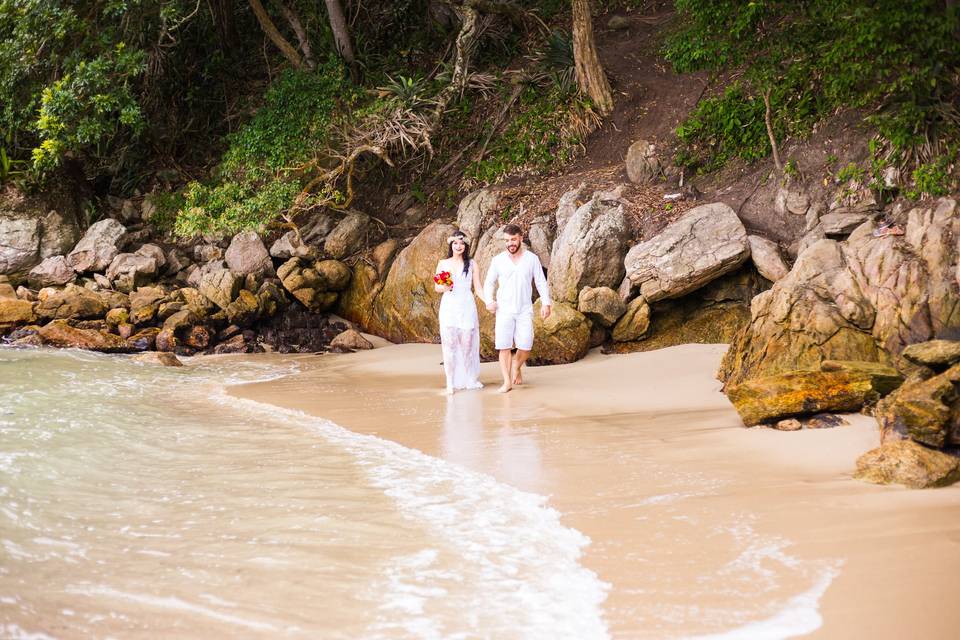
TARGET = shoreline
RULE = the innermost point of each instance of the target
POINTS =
(644, 455)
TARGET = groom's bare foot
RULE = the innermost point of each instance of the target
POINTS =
(517, 377)
(504, 388)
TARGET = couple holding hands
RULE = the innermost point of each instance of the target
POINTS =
(510, 274)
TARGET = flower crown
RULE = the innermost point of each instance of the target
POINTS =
(459, 237)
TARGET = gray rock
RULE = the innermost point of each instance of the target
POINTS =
(58, 234)
(155, 252)
(634, 323)
(601, 304)
(568, 205)
(219, 285)
(247, 254)
(52, 272)
(791, 201)
(19, 244)
(705, 243)
(176, 260)
(290, 245)
(541, 238)
(767, 258)
(841, 224)
(643, 165)
(348, 236)
(129, 271)
(98, 247)
(589, 251)
(474, 210)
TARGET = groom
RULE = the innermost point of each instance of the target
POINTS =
(511, 272)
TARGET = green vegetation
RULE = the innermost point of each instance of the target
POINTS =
(897, 59)
(546, 132)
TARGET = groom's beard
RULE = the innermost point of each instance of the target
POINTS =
(512, 248)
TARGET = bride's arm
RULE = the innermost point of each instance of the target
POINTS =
(477, 285)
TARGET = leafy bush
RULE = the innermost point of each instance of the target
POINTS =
(816, 57)
(546, 133)
(259, 177)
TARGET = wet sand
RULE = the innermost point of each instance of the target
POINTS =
(700, 526)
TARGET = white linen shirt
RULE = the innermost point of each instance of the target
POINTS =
(514, 292)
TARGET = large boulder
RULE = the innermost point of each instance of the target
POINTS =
(705, 243)
(924, 410)
(15, 312)
(348, 236)
(908, 463)
(601, 304)
(307, 285)
(541, 237)
(865, 298)
(98, 247)
(406, 307)
(70, 302)
(934, 353)
(219, 285)
(643, 165)
(767, 258)
(247, 254)
(800, 393)
(33, 228)
(334, 274)
(52, 272)
(563, 337)
(634, 323)
(128, 271)
(60, 333)
(589, 251)
(473, 210)
(291, 245)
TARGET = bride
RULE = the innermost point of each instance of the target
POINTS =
(459, 324)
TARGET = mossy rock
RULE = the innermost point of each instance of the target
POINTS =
(908, 463)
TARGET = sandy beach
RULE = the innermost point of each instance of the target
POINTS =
(700, 527)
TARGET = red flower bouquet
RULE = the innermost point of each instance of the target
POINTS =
(444, 279)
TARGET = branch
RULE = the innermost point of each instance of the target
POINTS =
(773, 139)
(275, 36)
(294, 20)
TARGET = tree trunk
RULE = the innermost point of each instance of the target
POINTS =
(223, 18)
(294, 21)
(590, 75)
(341, 36)
(275, 36)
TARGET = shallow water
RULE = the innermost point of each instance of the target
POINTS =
(138, 501)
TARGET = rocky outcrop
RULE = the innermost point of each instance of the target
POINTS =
(219, 285)
(561, 338)
(865, 298)
(348, 236)
(767, 258)
(247, 254)
(474, 210)
(314, 285)
(15, 312)
(705, 243)
(128, 271)
(70, 302)
(908, 463)
(33, 228)
(923, 409)
(800, 393)
(52, 272)
(60, 333)
(589, 251)
(934, 353)
(634, 323)
(98, 247)
(601, 304)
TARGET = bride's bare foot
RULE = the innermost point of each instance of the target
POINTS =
(504, 388)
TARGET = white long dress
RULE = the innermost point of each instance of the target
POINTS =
(460, 332)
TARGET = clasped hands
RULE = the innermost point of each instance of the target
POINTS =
(544, 310)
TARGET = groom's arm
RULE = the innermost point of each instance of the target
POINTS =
(488, 285)
(542, 288)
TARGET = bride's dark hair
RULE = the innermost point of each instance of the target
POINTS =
(466, 249)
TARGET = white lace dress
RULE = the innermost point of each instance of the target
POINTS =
(460, 332)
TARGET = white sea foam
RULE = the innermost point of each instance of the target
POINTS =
(517, 572)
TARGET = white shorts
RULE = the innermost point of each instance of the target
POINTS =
(514, 330)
